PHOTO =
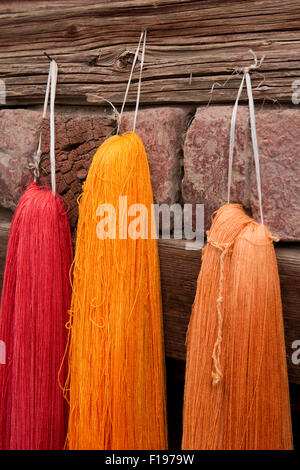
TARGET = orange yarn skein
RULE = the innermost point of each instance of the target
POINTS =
(236, 389)
(116, 363)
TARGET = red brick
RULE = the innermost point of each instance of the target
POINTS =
(206, 149)
(162, 131)
(206, 165)
(19, 130)
(279, 148)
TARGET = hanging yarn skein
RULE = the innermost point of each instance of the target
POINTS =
(35, 300)
(116, 384)
(236, 389)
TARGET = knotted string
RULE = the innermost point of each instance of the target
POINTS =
(143, 35)
(50, 89)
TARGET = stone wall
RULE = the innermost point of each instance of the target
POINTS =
(187, 148)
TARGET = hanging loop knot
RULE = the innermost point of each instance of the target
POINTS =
(256, 64)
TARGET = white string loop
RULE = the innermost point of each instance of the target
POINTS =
(254, 144)
(140, 81)
(246, 76)
(50, 89)
(53, 69)
(232, 137)
(143, 35)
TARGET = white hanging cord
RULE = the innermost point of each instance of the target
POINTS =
(254, 143)
(37, 156)
(130, 77)
(246, 76)
(232, 137)
(53, 69)
(51, 85)
(129, 80)
(140, 81)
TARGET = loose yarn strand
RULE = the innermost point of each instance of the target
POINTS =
(217, 373)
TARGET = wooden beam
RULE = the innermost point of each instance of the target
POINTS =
(179, 273)
(191, 45)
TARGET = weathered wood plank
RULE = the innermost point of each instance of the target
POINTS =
(191, 44)
(179, 273)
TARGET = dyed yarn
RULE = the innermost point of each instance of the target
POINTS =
(117, 373)
(35, 299)
(236, 390)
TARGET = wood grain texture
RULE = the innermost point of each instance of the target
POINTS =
(191, 45)
(179, 273)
